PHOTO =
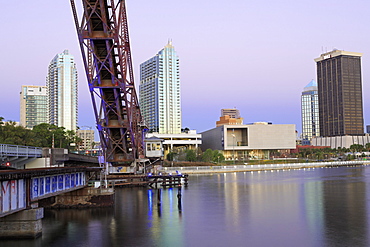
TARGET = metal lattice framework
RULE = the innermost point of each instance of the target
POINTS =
(104, 42)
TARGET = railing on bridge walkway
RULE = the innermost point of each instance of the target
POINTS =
(15, 155)
(21, 188)
(7, 150)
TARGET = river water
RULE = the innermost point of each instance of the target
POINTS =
(308, 207)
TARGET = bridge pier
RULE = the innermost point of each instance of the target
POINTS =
(22, 225)
(88, 197)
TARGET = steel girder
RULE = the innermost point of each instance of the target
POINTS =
(105, 47)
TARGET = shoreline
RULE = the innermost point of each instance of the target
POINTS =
(252, 168)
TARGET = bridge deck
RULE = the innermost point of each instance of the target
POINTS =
(20, 188)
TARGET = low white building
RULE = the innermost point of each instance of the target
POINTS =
(250, 141)
(171, 142)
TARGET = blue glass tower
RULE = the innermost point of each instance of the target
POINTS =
(310, 112)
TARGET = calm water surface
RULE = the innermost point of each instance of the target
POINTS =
(312, 207)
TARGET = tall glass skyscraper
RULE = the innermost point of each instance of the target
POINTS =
(340, 93)
(159, 92)
(61, 84)
(33, 106)
(310, 112)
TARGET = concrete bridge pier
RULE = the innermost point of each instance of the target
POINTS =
(22, 225)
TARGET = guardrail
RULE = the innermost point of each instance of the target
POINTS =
(7, 150)
(233, 168)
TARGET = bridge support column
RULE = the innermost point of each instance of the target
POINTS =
(84, 198)
(23, 224)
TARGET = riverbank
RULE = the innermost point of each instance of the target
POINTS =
(259, 167)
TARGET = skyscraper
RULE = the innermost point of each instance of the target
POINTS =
(340, 93)
(61, 84)
(310, 112)
(159, 92)
(33, 106)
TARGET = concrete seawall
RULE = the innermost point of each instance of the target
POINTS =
(250, 168)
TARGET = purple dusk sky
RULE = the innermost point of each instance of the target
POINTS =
(254, 55)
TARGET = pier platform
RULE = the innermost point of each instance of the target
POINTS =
(152, 181)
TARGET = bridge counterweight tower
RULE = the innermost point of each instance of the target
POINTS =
(105, 47)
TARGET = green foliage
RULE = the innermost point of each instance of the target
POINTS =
(357, 148)
(41, 135)
(190, 155)
(171, 156)
(207, 155)
(218, 156)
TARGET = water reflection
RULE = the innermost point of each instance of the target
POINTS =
(311, 207)
(345, 208)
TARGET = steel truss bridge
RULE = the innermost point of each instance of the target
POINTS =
(104, 41)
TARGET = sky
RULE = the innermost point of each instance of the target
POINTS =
(255, 55)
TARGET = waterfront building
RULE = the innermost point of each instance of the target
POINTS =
(310, 112)
(178, 142)
(250, 141)
(340, 94)
(87, 136)
(33, 106)
(159, 92)
(341, 141)
(61, 84)
(232, 112)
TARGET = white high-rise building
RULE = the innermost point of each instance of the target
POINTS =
(33, 106)
(61, 83)
(159, 92)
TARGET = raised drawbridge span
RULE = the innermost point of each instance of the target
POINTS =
(105, 46)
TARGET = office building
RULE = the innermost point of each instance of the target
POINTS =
(310, 112)
(233, 113)
(227, 120)
(340, 93)
(159, 92)
(33, 106)
(61, 84)
(87, 137)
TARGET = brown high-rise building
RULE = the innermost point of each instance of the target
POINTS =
(340, 93)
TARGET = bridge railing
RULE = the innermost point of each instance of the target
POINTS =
(15, 150)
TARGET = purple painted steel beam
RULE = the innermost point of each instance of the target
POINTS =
(105, 48)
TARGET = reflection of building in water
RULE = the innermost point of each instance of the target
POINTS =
(313, 204)
(348, 198)
(236, 199)
(164, 220)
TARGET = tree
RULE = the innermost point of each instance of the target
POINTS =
(171, 156)
(207, 155)
(190, 155)
(367, 146)
(357, 148)
(217, 156)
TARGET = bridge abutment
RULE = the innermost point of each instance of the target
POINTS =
(84, 198)
(23, 224)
